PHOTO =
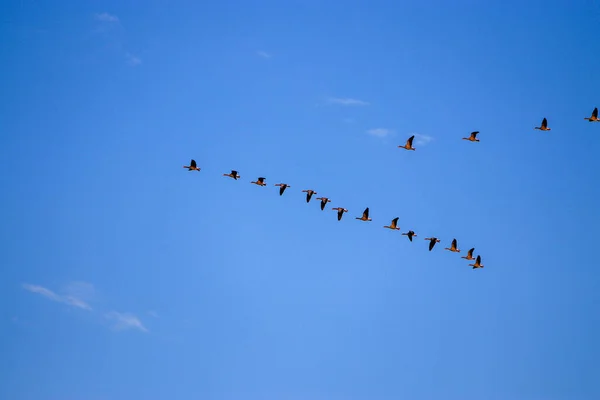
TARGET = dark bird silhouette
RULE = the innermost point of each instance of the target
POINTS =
(340, 211)
(260, 181)
(365, 216)
(432, 242)
(192, 166)
(282, 187)
(324, 201)
(453, 247)
(473, 137)
(469, 255)
(309, 194)
(233, 174)
(408, 145)
(410, 235)
(544, 126)
(594, 117)
(393, 225)
(477, 263)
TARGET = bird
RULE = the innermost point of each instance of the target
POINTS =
(432, 242)
(594, 117)
(282, 187)
(192, 166)
(473, 137)
(260, 181)
(408, 145)
(233, 174)
(544, 126)
(410, 235)
(477, 263)
(309, 194)
(393, 225)
(324, 201)
(365, 216)
(340, 211)
(469, 255)
(453, 247)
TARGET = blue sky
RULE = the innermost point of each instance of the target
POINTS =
(126, 276)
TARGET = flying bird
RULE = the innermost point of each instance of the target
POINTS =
(432, 242)
(233, 174)
(324, 201)
(544, 126)
(365, 216)
(408, 145)
(473, 137)
(260, 181)
(469, 254)
(477, 263)
(410, 235)
(594, 117)
(453, 247)
(282, 187)
(393, 225)
(340, 211)
(192, 166)
(309, 194)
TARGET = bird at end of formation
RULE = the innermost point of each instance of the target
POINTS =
(324, 201)
(469, 255)
(233, 174)
(393, 225)
(309, 194)
(432, 242)
(260, 181)
(453, 247)
(282, 187)
(477, 263)
(340, 212)
(594, 117)
(410, 235)
(473, 137)
(365, 216)
(544, 126)
(192, 166)
(408, 145)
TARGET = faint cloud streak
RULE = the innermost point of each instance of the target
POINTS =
(65, 299)
(264, 54)
(125, 321)
(132, 60)
(346, 101)
(106, 17)
(422, 140)
(379, 132)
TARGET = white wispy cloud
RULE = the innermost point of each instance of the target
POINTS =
(421, 140)
(153, 313)
(379, 132)
(49, 294)
(132, 60)
(106, 17)
(264, 54)
(346, 101)
(124, 321)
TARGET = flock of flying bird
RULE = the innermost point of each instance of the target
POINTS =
(394, 224)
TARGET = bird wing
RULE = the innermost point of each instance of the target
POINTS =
(595, 113)
(454, 244)
(193, 163)
(233, 172)
(395, 222)
(281, 189)
(410, 140)
(261, 179)
(544, 123)
(366, 213)
(431, 244)
(471, 252)
(474, 134)
(478, 260)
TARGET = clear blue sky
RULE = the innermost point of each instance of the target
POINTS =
(125, 276)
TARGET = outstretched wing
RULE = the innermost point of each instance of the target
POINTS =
(233, 172)
(544, 123)
(366, 213)
(454, 244)
(471, 252)
(478, 261)
(431, 244)
(410, 140)
(281, 189)
(395, 222)
(308, 195)
(261, 179)
(474, 134)
(410, 235)
(193, 163)
(595, 113)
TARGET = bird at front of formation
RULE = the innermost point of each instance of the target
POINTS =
(432, 242)
(340, 212)
(408, 145)
(477, 263)
(260, 181)
(192, 166)
(410, 235)
(365, 216)
(233, 174)
(453, 247)
(282, 187)
(469, 255)
(473, 137)
(594, 117)
(309, 194)
(393, 225)
(324, 201)
(544, 126)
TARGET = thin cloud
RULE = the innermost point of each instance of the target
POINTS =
(65, 299)
(125, 321)
(153, 314)
(264, 54)
(379, 132)
(106, 17)
(347, 101)
(422, 140)
(133, 60)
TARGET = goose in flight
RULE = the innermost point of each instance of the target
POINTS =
(393, 225)
(469, 255)
(282, 187)
(544, 126)
(453, 247)
(473, 137)
(365, 216)
(233, 174)
(340, 211)
(410, 235)
(408, 145)
(432, 242)
(192, 166)
(260, 181)
(309, 194)
(594, 117)
(477, 263)
(324, 201)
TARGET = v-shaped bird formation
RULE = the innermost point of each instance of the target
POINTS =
(260, 181)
